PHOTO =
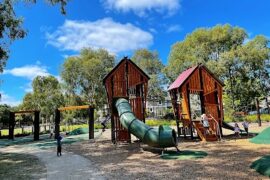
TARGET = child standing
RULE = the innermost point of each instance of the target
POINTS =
(104, 122)
(245, 125)
(236, 130)
(205, 124)
(59, 145)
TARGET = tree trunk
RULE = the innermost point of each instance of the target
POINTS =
(258, 112)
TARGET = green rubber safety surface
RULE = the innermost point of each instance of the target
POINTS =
(81, 131)
(262, 165)
(262, 138)
(183, 155)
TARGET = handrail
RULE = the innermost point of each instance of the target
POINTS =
(217, 125)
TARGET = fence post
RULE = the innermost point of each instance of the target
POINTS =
(11, 125)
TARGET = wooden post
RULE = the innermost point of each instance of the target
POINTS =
(57, 123)
(258, 112)
(112, 113)
(91, 122)
(189, 111)
(201, 92)
(218, 109)
(11, 125)
(36, 126)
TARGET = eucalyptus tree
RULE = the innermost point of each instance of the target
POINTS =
(46, 96)
(83, 76)
(150, 63)
(225, 50)
(11, 25)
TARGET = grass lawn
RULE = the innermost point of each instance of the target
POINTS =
(21, 166)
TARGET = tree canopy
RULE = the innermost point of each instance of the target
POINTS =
(225, 49)
(149, 62)
(11, 26)
(46, 96)
(83, 75)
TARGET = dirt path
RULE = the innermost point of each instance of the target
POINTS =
(68, 166)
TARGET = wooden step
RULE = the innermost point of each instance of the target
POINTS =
(211, 137)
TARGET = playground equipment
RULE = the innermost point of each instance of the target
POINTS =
(162, 137)
(200, 82)
(126, 87)
(90, 121)
(12, 123)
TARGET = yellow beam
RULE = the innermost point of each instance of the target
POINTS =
(74, 107)
(24, 112)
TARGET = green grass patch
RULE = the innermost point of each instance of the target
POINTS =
(250, 118)
(254, 118)
(73, 127)
(5, 132)
(63, 128)
(158, 122)
(21, 166)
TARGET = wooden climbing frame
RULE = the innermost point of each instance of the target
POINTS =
(69, 108)
(128, 81)
(201, 81)
(12, 122)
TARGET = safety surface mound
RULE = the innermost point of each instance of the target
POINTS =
(262, 165)
(183, 155)
(262, 138)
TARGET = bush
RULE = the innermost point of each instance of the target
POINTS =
(251, 118)
(169, 116)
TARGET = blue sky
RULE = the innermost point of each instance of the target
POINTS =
(121, 26)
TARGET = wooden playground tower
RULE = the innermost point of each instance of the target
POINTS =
(199, 81)
(12, 122)
(128, 81)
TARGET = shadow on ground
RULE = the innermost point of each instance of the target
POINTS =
(21, 166)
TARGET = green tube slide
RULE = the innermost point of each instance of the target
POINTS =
(160, 137)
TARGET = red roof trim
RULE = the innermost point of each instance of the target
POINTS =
(187, 73)
(182, 78)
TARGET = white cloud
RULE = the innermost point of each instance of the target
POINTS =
(28, 71)
(27, 87)
(141, 7)
(104, 33)
(6, 99)
(174, 28)
(153, 30)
